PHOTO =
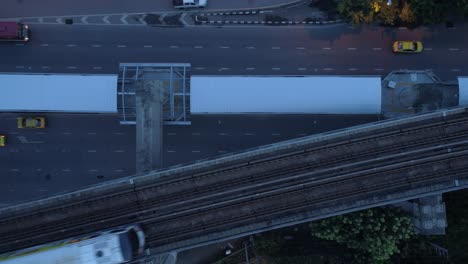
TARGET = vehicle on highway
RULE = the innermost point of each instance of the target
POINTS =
(407, 47)
(2, 140)
(189, 3)
(31, 122)
(13, 31)
(114, 246)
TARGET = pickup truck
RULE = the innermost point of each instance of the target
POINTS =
(189, 3)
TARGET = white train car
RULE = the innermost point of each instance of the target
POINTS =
(115, 246)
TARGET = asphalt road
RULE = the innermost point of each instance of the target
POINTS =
(77, 150)
(40, 8)
(323, 50)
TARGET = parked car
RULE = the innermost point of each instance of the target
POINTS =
(31, 122)
(2, 140)
(407, 47)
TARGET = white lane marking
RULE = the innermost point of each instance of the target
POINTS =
(92, 151)
(300, 48)
(66, 133)
(20, 44)
(19, 67)
(171, 134)
(427, 48)
(276, 69)
(223, 69)
(147, 46)
(39, 150)
(196, 134)
(378, 69)
(94, 170)
(275, 48)
(195, 151)
(199, 68)
(376, 48)
(173, 47)
(351, 48)
(41, 190)
(301, 135)
(250, 69)
(71, 67)
(71, 45)
(14, 170)
(119, 151)
(91, 133)
(119, 133)
(223, 134)
(66, 170)
(198, 47)
(38, 169)
(96, 45)
(83, 20)
(225, 47)
(171, 151)
(328, 69)
(44, 45)
(455, 70)
(40, 133)
(97, 68)
(402, 28)
(249, 134)
(106, 19)
(352, 69)
(250, 47)
(44, 67)
(222, 151)
(326, 48)
(302, 69)
(454, 49)
(275, 134)
(118, 170)
(123, 19)
(121, 46)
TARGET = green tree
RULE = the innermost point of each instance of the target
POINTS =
(430, 11)
(374, 233)
(406, 15)
(357, 11)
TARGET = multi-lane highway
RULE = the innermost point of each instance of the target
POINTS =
(246, 50)
(76, 150)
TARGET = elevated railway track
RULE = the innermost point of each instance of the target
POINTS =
(280, 184)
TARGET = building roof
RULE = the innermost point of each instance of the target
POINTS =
(58, 92)
(285, 95)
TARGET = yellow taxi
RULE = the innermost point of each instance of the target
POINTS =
(2, 140)
(407, 46)
(31, 122)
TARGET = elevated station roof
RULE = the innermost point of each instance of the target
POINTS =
(285, 95)
(58, 92)
(463, 90)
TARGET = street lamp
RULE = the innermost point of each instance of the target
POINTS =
(389, 2)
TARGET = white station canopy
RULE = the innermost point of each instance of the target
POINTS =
(58, 92)
(285, 95)
(462, 91)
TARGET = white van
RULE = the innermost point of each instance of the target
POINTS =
(189, 3)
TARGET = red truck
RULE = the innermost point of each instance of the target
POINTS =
(13, 31)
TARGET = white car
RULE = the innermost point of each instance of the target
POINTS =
(189, 3)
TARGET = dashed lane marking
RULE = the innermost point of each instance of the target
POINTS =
(44, 67)
(302, 69)
(171, 151)
(196, 134)
(378, 69)
(66, 170)
(14, 169)
(326, 48)
(376, 48)
(454, 49)
(223, 69)
(352, 69)
(225, 47)
(91, 133)
(171, 134)
(19, 67)
(97, 68)
(118, 170)
(71, 45)
(250, 69)
(250, 47)
(427, 48)
(20, 44)
(173, 47)
(199, 68)
(328, 69)
(71, 67)
(198, 47)
(249, 134)
(121, 46)
(275, 134)
(92, 151)
(300, 48)
(275, 48)
(351, 48)
(119, 151)
(66, 133)
(93, 170)
(147, 46)
(276, 69)
(223, 134)
(96, 46)
(44, 45)
(196, 151)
